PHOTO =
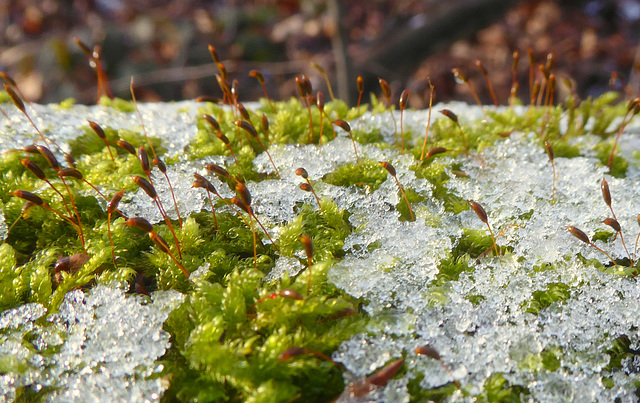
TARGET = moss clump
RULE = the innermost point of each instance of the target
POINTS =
(367, 174)
(555, 292)
(229, 335)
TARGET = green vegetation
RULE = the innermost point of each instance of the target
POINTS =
(230, 334)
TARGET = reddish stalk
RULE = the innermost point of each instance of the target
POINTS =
(111, 207)
(156, 239)
(460, 78)
(485, 74)
(454, 119)
(404, 98)
(307, 187)
(250, 130)
(202, 182)
(386, 92)
(159, 162)
(632, 110)
(426, 136)
(150, 190)
(514, 79)
(326, 79)
(218, 133)
(308, 249)
(51, 159)
(549, 150)
(482, 215)
(305, 89)
(98, 130)
(392, 171)
(345, 126)
(258, 76)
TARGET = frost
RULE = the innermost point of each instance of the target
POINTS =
(174, 123)
(499, 315)
(99, 346)
(284, 265)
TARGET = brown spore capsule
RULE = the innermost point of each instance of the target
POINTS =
(320, 101)
(48, 155)
(144, 160)
(388, 167)
(450, 115)
(217, 169)
(72, 172)
(71, 263)
(360, 84)
(308, 245)
(435, 151)
(265, 123)
(383, 376)
(457, 74)
(97, 129)
(160, 164)
(302, 172)
(207, 98)
(213, 53)
(125, 145)
(212, 121)
(613, 223)
(404, 98)
(428, 351)
(257, 75)
(160, 242)
(115, 201)
(479, 210)
(606, 194)
(245, 196)
(290, 294)
(222, 138)
(34, 168)
(579, 234)
(386, 90)
(146, 186)
(8, 79)
(306, 187)
(15, 98)
(549, 150)
(244, 112)
(343, 125)
(28, 196)
(139, 222)
(247, 127)
(291, 352)
(304, 85)
(240, 204)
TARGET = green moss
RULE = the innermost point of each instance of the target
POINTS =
(497, 389)
(118, 104)
(555, 292)
(368, 174)
(228, 334)
(328, 227)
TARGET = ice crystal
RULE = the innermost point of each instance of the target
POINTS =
(99, 346)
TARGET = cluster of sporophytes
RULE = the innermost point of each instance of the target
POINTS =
(237, 336)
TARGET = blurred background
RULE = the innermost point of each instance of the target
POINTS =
(163, 43)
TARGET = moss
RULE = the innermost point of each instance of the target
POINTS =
(118, 104)
(368, 174)
(228, 334)
(555, 292)
(497, 389)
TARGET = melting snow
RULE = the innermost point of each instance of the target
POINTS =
(103, 344)
(99, 346)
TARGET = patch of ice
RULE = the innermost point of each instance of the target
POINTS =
(99, 346)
